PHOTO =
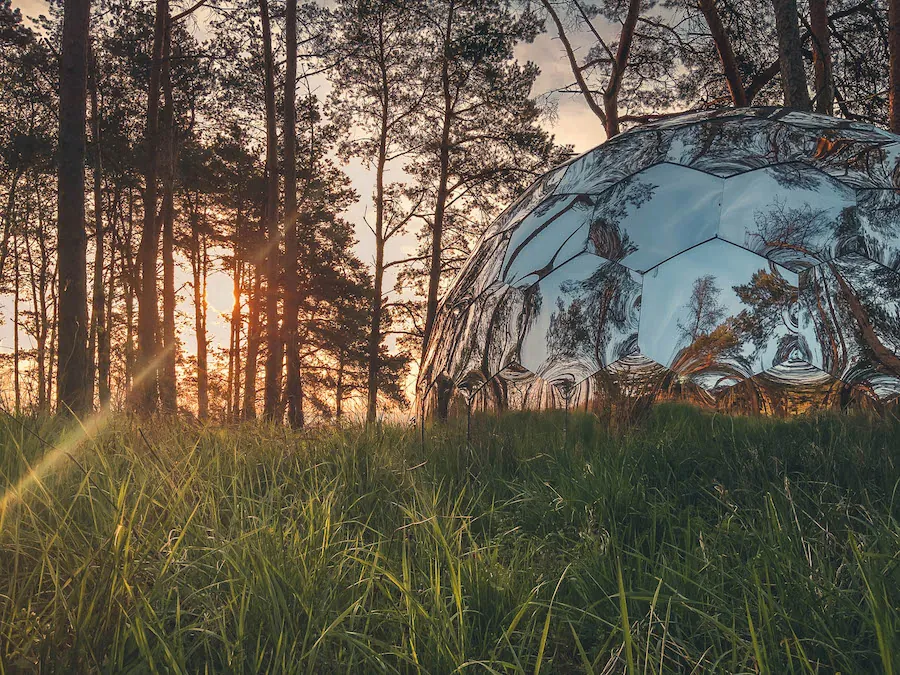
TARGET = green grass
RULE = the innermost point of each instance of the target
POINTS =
(691, 543)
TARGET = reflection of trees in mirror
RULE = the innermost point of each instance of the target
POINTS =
(606, 234)
(591, 312)
(703, 311)
(722, 348)
(852, 304)
(706, 333)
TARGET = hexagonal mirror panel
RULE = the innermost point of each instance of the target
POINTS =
(656, 214)
(718, 313)
(583, 316)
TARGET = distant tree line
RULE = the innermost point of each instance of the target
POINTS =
(140, 147)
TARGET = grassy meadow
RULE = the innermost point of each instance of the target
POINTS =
(691, 543)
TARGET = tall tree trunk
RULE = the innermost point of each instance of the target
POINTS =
(234, 341)
(168, 387)
(894, 50)
(147, 378)
(821, 43)
(103, 342)
(272, 385)
(339, 389)
(39, 293)
(7, 215)
(293, 385)
(437, 226)
(73, 388)
(126, 260)
(198, 267)
(726, 53)
(253, 338)
(16, 283)
(790, 56)
(619, 65)
(374, 365)
(98, 305)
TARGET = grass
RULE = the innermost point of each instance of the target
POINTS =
(692, 543)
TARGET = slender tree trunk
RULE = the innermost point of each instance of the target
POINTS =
(253, 338)
(374, 365)
(39, 292)
(236, 401)
(611, 95)
(132, 286)
(272, 386)
(98, 305)
(168, 387)
(339, 389)
(103, 343)
(147, 379)
(577, 72)
(73, 388)
(293, 385)
(821, 43)
(894, 50)
(790, 56)
(726, 53)
(16, 282)
(7, 216)
(234, 345)
(437, 227)
(198, 267)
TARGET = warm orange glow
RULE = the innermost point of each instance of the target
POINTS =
(71, 441)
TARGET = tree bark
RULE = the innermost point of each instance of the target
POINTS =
(293, 385)
(374, 346)
(253, 337)
(790, 56)
(821, 43)
(272, 385)
(234, 344)
(199, 265)
(98, 304)
(73, 387)
(147, 378)
(168, 387)
(726, 53)
(17, 408)
(437, 226)
(894, 50)
(611, 95)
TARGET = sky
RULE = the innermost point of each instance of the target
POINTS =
(572, 124)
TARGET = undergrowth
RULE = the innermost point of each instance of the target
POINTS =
(690, 543)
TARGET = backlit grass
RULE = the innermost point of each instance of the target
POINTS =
(692, 543)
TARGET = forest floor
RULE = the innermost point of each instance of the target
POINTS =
(688, 543)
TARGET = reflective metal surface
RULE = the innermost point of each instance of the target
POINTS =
(718, 314)
(584, 317)
(746, 259)
(656, 214)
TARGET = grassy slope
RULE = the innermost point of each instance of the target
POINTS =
(693, 543)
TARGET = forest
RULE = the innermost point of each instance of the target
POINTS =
(148, 150)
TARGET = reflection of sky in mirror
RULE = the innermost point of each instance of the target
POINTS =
(793, 214)
(656, 214)
(667, 316)
(549, 237)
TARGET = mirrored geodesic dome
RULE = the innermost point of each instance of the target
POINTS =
(743, 255)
